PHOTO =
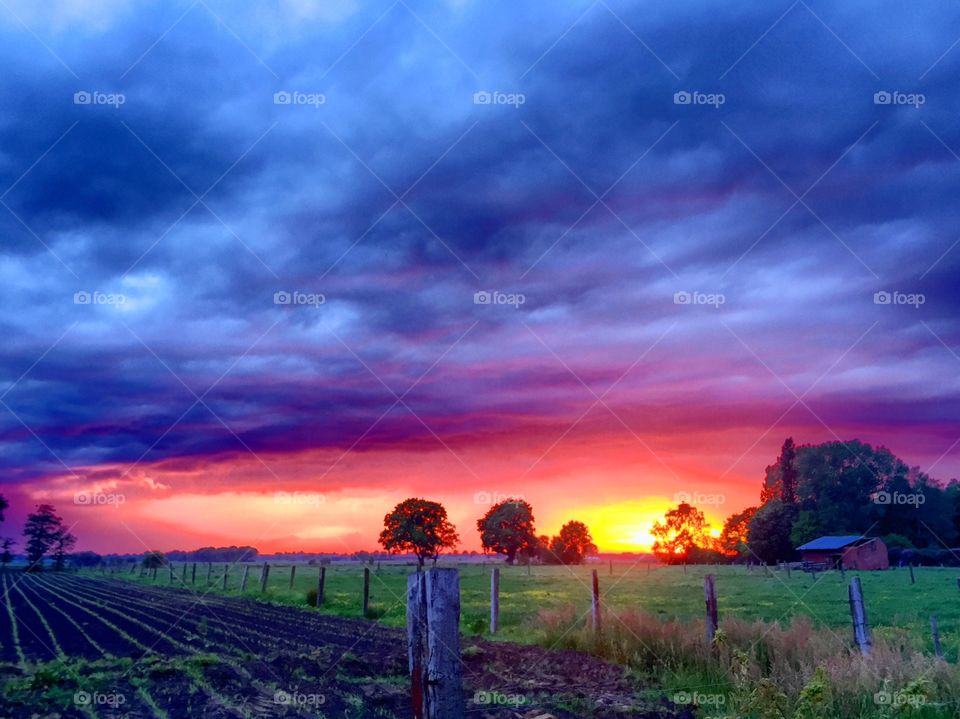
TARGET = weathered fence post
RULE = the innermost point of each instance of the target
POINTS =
(209, 572)
(494, 600)
(935, 631)
(226, 573)
(912, 578)
(595, 603)
(133, 568)
(366, 590)
(433, 644)
(170, 571)
(154, 573)
(183, 574)
(243, 582)
(861, 628)
(611, 567)
(416, 641)
(264, 574)
(321, 580)
(293, 573)
(710, 595)
(193, 574)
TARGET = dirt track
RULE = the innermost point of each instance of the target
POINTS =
(130, 650)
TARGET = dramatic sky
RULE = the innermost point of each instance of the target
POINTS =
(158, 196)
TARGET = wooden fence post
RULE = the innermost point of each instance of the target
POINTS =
(416, 641)
(595, 603)
(321, 580)
(293, 573)
(133, 568)
(170, 571)
(912, 578)
(366, 590)
(611, 567)
(226, 573)
(433, 644)
(935, 631)
(154, 573)
(209, 572)
(710, 595)
(243, 582)
(183, 574)
(193, 574)
(494, 600)
(264, 575)
(861, 628)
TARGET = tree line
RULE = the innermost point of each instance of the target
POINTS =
(421, 527)
(46, 537)
(834, 488)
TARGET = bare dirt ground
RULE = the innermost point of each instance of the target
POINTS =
(98, 647)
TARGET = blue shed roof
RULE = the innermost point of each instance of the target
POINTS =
(828, 543)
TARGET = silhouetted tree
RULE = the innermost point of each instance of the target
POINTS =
(44, 531)
(508, 529)
(6, 556)
(736, 531)
(154, 559)
(573, 544)
(419, 526)
(683, 528)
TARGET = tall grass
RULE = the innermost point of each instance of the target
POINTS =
(767, 670)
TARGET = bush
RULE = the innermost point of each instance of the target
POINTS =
(312, 598)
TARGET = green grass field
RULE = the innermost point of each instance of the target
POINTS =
(896, 609)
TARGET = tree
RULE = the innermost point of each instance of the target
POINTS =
(683, 528)
(154, 559)
(63, 542)
(770, 529)
(418, 526)
(572, 544)
(782, 477)
(6, 556)
(44, 531)
(507, 528)
(736, 531)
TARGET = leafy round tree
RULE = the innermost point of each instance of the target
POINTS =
(683, 529)
(573, 544)
(419, 526)
(508, 529)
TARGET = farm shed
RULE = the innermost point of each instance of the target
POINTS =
(848, 551)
